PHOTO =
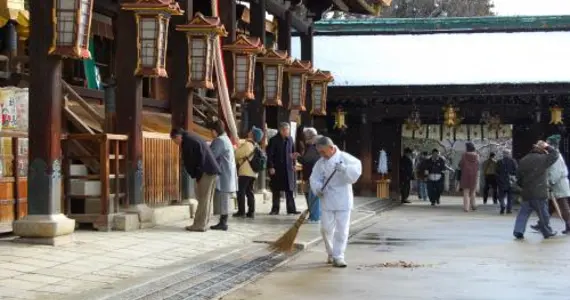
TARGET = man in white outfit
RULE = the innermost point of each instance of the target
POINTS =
(336, 196)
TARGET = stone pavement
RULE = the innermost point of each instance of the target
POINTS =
(458, 256)
(100, 261)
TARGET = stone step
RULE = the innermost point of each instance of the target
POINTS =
(85, 188)
(78, 170)
(209, 279)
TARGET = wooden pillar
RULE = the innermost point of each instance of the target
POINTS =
(181, 98)
(367, 185)
(307, 54)
(254, 109)
(228, 17)
(129, 104)
(275, 115)
(110, 98)
(44, 223)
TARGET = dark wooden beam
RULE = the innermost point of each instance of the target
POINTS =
(307, 50)
(255, 109)
(282, 114)
(160, 105)
(45, 101)
(408, 91)
(279, 10)
(106, 7)
(129, 103)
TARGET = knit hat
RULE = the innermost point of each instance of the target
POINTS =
(554, 140)
(257, 134)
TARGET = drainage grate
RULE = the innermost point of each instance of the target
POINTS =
(208, 280)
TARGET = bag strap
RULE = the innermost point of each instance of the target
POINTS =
(249, 157)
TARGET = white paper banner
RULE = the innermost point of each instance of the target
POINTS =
(489, 133)
(462, 133)
(506, 131)
(421, 133)
(475, 132)
(447, 133)
(407, 132)
(434, 132)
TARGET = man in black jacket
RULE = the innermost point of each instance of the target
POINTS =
(532, 177)
(200, 163)
(281, 159)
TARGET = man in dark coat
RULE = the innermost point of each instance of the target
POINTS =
(505, 172)
(532, 177)
(200, 163)
(433, 168)
(281, 159)
(406, 174)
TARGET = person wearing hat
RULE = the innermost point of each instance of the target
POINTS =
(532, 177)
(246, 175)
(308, 159)
(559, 185)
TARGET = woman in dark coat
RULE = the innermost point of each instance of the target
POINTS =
(281, 166)
(469, 165)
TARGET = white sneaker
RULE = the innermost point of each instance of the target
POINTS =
(330, 260)
(339, 263)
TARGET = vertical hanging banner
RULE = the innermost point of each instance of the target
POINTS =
(475, 132)
(91, 70)
(421, 133)
(407, 132)
(462, 133)
(489, 133)
(448, 133)
(434, 132)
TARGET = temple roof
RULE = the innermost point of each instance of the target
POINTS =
(478, 58)
(425, 25)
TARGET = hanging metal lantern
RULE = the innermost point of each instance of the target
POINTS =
(71, 28)
(244, 51)
(298, 73)
(339, 119)
(202, 33)
(556, 117)
(273, 64)
(450, 117)
(152, 17)
(319, 82)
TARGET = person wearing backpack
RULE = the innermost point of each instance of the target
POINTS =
(249, 157)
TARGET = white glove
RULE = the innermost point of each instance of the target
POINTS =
(340, 167)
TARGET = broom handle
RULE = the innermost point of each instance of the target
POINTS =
(556, 207)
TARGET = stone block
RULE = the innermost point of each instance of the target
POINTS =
(126, 222)
(81, 188)
(43, 228)
(172, 213)
(78, 170)
(92, 206)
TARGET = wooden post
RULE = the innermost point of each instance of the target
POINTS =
(282, 114)
(44, 222)
(181, 98)
(367, 184)
(110, 105)
(129, 107)
(307, 54)
(255, 110)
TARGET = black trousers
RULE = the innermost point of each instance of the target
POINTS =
(405, 186)
(290, 201)
(490, 182)
(245, 189)
(435, 188)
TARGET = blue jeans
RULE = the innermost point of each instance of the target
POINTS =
(314, 205)
(541, 209)
(422, 190)
(509, 195)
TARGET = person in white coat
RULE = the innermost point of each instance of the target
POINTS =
(336, 196)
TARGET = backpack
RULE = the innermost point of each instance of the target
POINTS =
(258, 160)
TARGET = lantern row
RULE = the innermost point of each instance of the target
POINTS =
(72, 25)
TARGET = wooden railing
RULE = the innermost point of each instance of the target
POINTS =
(13, 178)
(161, 165)
(112, 161)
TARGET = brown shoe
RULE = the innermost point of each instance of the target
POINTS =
(194, 229)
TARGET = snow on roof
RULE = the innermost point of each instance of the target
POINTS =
(477, 58)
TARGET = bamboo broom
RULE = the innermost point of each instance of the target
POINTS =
(286, 243)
